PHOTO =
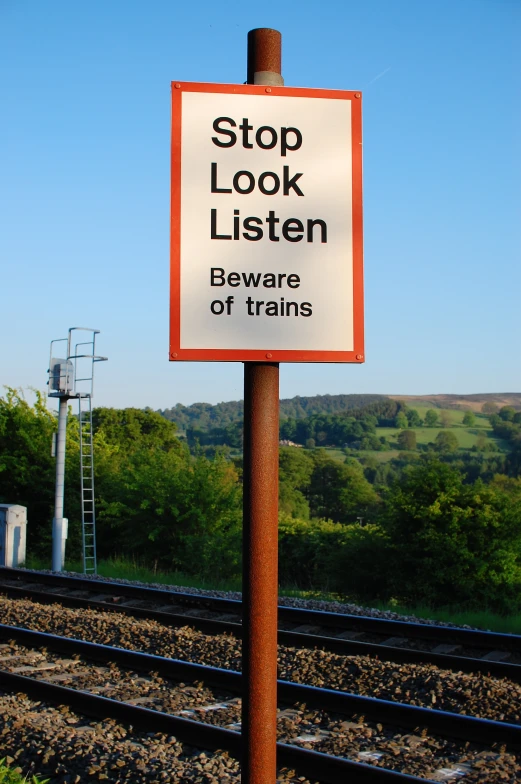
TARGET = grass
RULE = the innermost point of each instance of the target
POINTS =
(335, 454)
(454, 416)
(10, 775)
(481, 619)
(124, 569)
(120, 568)
(380, 457)
(467, 437)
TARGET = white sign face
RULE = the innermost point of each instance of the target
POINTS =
(263, 255)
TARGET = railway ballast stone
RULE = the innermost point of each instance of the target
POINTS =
(474, 694)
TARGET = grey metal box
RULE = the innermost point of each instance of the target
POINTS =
(61, 375)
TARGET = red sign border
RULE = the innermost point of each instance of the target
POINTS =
(267, 355)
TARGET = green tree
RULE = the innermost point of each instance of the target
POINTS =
(504, 428)
(295, 470)
(153, 499)
(414, 418)
(27, 470)
(513, 465)
(130, 427)
(489, 408)
(507, 413)
(400, 420)
(288, 429)
(454, 543)
(371, 443)
(446, 442)
(481, 443)
(323, 555)
(431, 418)
(445, 420)
(469, 420)
(168, 507)
(407, 439)
(370, 465)
(339, 492)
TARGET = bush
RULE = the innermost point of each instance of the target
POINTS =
(455, 543)
(323, 555)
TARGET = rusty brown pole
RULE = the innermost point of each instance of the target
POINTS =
(264, 56)
(260, 527)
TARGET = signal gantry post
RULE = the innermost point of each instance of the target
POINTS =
(73, 377)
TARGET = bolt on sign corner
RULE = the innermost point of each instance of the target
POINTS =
(266, 224)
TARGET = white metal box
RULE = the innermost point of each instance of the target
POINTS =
(13, 529)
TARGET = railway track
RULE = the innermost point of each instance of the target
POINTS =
(152, 693)
(399, 641)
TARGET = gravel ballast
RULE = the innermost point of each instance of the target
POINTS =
(72, 749)
(321, 605)
(417, 684)
(418, 752)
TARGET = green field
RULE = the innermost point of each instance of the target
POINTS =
(467, 436)
(335, 454)
(453, 416)
(381, 457)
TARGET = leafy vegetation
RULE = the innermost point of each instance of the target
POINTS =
(375, 427)
(152, 497)
(507, 425)
(123, 569)
(450, 539)
(10, 775)
(203, 416)
(432, 522)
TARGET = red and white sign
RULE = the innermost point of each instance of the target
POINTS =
(266, 224)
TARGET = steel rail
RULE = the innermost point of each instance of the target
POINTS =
(468, 637)
(322, 767)
(444, 661)
(291, 639)
(122, 589)
(444, 723)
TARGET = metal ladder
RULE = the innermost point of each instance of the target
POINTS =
(88, 511)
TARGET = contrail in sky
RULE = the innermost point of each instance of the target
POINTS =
(377, 77)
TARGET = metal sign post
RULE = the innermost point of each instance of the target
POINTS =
(266, 267)
(260, 526)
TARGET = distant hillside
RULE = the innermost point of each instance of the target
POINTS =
(204, 415)
(474, 402)
(300, 407)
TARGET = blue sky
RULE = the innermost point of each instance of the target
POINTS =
(84, 185)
